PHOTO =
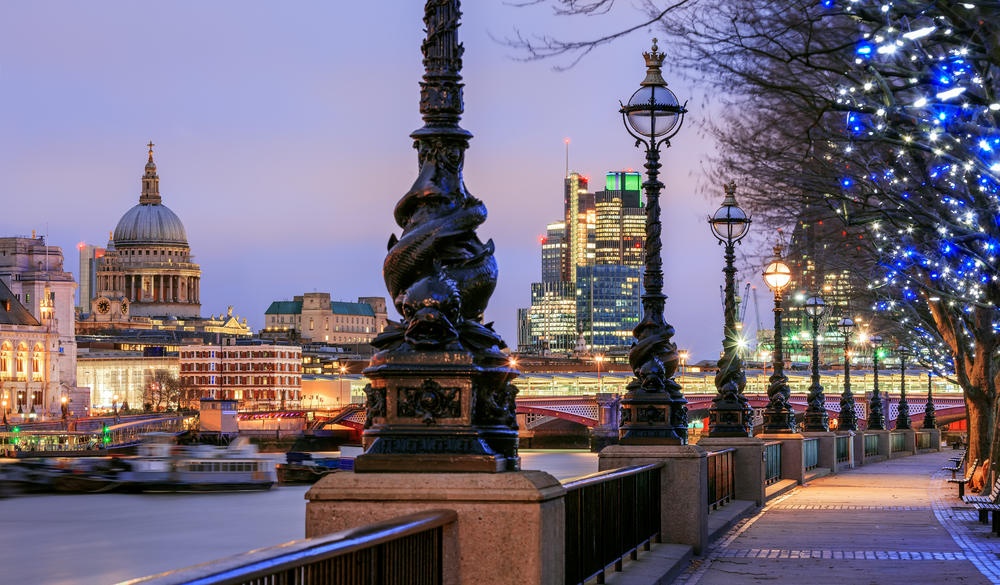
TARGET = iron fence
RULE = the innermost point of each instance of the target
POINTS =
(405, 550)
(897, 442)
(772, 462)
(871, 445)
(923, 440)
(609, 515)
(810, 453)
(721, 478)
(843, 445)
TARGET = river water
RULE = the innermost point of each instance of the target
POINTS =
(101, 539)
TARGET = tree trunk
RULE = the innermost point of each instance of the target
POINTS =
(982, 421)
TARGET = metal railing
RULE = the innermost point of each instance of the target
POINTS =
(772, 462)
(721, 478)
(871, 445)
(810, 454)
(924, 440)
(843, 444)
(405, 550)
(897, 442)
(609, 515)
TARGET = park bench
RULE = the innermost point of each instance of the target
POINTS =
(956, 464)
(992, 498)
(962, 481)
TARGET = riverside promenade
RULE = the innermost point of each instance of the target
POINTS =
(893, 522)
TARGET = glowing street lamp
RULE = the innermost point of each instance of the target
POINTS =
(730, 414)
(778, 416)
(654, 409)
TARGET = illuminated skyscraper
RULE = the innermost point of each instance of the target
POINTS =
(620, 226)
(553, 252)
(579, 219)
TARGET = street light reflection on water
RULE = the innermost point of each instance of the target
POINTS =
(107, 538)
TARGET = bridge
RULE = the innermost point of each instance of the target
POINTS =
(601, 409)
(90, 436)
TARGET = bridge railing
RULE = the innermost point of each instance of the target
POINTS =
(843, 444)
(897, 441)
(810, 454)
(871, 445)
(772, 462)
(609, 515)
(402, 551)
(721, 478)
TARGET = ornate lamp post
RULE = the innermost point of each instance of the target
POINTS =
(848, 420)
(816, 419)
(440, 396)
(876, 417)
(654, 410)
(5, 414)
(730, 414)
(903, 417)
(598, 360)
(930, 421)
(114, 407)
(64, 407)
(778, 416)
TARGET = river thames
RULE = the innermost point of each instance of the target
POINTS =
(101, 539)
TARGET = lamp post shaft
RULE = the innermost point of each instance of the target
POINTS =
(816, 419)
(778, 416)
(848, 420)
(930, 420)
(876, 417)
(730, 414)
(903, 416)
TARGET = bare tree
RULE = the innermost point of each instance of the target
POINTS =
(881, 116)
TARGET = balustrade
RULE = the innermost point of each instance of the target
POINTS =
(810, 454)
(772, 462)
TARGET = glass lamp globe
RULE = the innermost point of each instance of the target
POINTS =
(730, 223)
(653, 111)
(777, 275)
(846, 325)
(815, 306)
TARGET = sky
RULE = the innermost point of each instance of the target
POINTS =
(282, 142)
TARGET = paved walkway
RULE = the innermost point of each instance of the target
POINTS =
(895, 522)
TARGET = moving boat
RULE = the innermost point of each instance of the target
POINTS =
(160, 466)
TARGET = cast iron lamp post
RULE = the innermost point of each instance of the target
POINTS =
(654, 410)
(730, 414)
(440, 395)
(903, 416)
(930, 421)
(816, 419)
(848, 420)
(876, 417)
(778, 416)
(114, 407)
(64, 407)
(598, 360)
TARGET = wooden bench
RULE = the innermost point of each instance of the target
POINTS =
(962, 481)
(992, 498)
(984, 509)
(956, 464)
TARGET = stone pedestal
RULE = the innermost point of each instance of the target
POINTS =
(684, 479)
(911, 441)
(749, 464)
(791, 455)
(510, 529)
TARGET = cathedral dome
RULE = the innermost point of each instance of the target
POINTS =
(150, 222)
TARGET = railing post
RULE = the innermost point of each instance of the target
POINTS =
(684, 487)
